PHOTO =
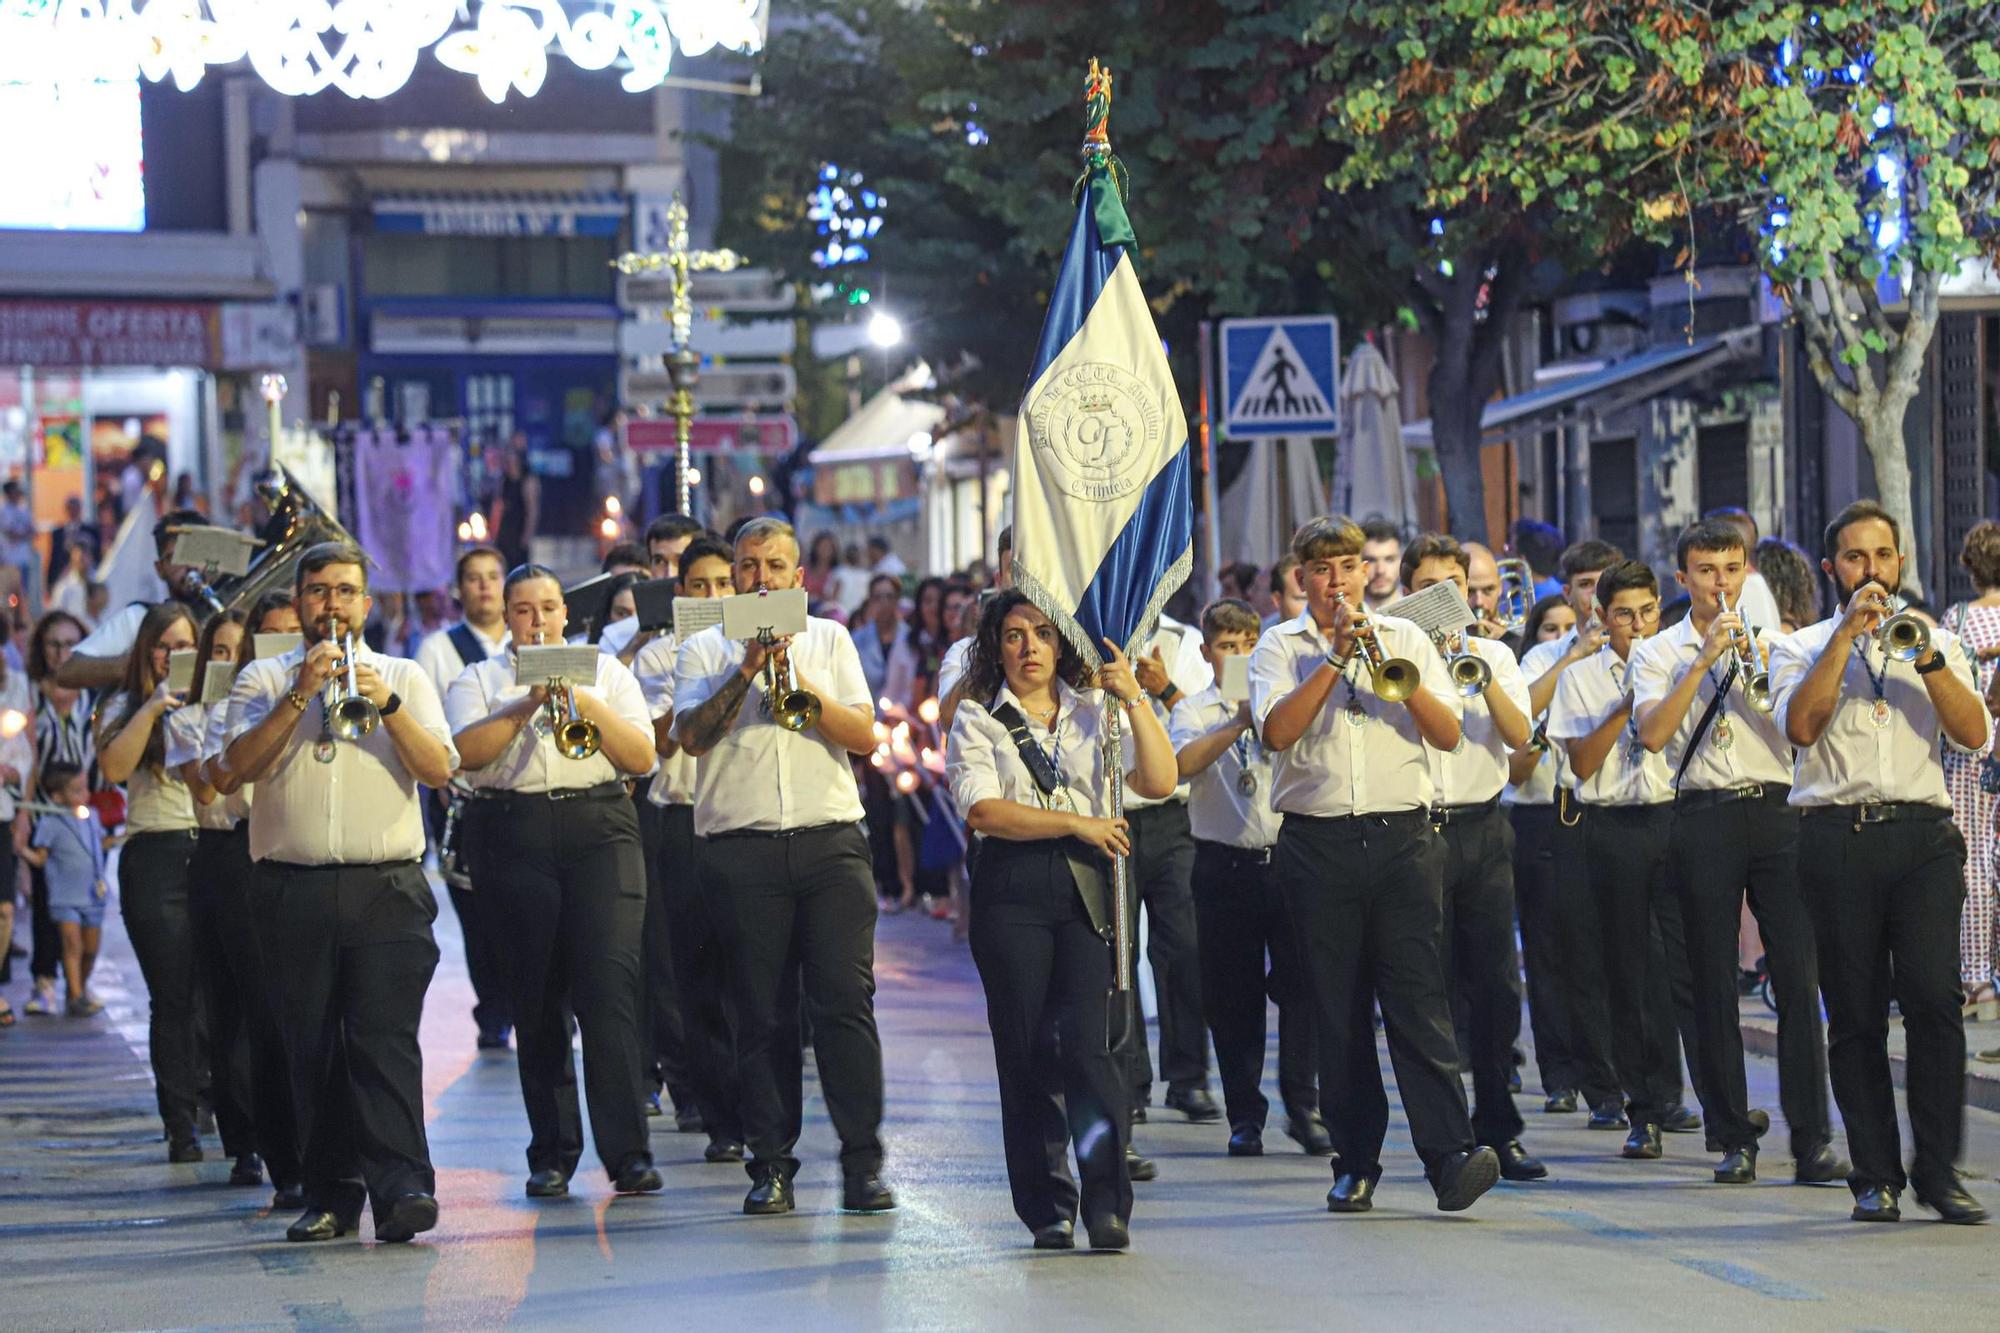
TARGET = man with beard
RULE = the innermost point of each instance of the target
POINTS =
(1881, 863)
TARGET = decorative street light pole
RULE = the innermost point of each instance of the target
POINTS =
(683, 364)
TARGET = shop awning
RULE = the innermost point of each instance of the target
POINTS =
(1601, 393)
(502, 213)
(871, 458)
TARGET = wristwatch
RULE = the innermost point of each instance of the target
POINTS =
(1935, 662)
(1166, 695)
(389, 709)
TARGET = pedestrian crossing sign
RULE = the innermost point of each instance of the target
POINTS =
(1281, 376)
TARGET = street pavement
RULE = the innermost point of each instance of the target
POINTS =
(98, 1232)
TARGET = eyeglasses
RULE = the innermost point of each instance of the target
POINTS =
(345, 592)
(1627, 617)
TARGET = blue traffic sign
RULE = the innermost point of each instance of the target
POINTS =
(1281, 376)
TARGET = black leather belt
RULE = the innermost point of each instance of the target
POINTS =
(1708, 797)
(777, 832)
(1442, 815)
(1878, 812)
(603, 791)
(1249, 856)
(1384, 818)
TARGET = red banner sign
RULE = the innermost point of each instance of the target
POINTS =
(769, 433)
(107, 333)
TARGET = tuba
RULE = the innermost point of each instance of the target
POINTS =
(295, 525)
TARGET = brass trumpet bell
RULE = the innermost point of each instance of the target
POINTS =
(1904, 637)
(796, 710)
(1395, 678)
(576, 737)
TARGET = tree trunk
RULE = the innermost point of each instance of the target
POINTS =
(1465, 371)
(1882, 433)
(1455, 433)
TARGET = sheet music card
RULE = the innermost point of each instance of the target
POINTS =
(220, 551)
(692, 615)
(1438, 608)
(1235, 682)
(180, 669)
(748, 615)
(538, 664)
(215, 682)
(274, 645)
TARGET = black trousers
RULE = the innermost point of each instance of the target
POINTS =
(1581, 977)
(1650, 996)
(154, 899)
(801, 909)
(1482, 965)
(1885, 902)
(351, 956)
(1541, 946)
(1162, 871)
(1365, 895)
(1719, 853)
(249, 1079)
(1047, 976)
(701, 975)
(662, 1034)
(491, 1009)
(569, 878)
(45, 941)
(1243, 920)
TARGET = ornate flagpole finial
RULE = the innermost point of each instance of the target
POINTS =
(1097, 152)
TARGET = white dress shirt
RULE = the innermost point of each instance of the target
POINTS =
(188, 730)
(761, 777)
(1172, 639)
(1362, 755)
(1219, 809)
(951, 670)
(982, 763)
(531, 764)
(1587, 694)
(1742, 744)
(213, 742)
(360, 809)
(1757, 605)
(1475, 772)
(17, 752)
(155, 801)
(440, 659)
(673, 779)
(1553, 770)
(618, 635)
(116, 633)
(1854, 760)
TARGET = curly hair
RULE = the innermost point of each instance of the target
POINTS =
(1981, 554)
(983, 673)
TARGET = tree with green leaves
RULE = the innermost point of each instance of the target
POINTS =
(1503, 145)
(1862, 141)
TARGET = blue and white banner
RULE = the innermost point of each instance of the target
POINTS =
(1103, 509)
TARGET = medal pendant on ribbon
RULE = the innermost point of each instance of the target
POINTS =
(1246, 782)
(323, 751)
(1880, 713)
(1724, 735)
(1357, 716)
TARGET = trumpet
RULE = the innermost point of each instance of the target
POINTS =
(1517, 594)
(790, 707)
(576, 737)
(353, 716)
(1469, 672)
(1756, 680)
(1904, 636)
(1394, 678)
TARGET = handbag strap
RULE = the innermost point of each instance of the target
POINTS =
(470, 650)
(1037, 763)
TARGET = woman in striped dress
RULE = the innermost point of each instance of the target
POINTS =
(1974, 779)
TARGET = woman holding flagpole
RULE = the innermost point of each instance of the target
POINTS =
(1026, 764)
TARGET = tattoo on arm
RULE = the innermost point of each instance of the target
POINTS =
(707, 723)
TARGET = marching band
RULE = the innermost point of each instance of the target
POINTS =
(1354, 826)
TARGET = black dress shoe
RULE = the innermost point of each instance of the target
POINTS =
(866, 1194)
(320, 1224)
(1760, 1120)
(1607, 1115)
(1516, 1164)
(723, 1150)
(288, 1197)
(549, 1184)
(1877, 1203)
(182, 1151)
(1139, 1168)
(1683, 1120)
(1737, 1167)
(1562, 1103)
(1194, 1103)
(1138, 1113)
(1350, 1194)
(687, 1119)
(637, 1177)
(1465, 1177)
(1642, 1144)
(248, 1170)
(1246, 1140)
(1821, 1166)
(1309, 1132)
(407, 1217)
(1056, 1236)
(1109, 1234)
(770, 1196)
(492, 1039)
(1952, 1204)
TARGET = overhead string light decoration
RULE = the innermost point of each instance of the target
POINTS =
(366, 48)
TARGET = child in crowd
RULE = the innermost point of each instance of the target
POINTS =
(69, 849)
